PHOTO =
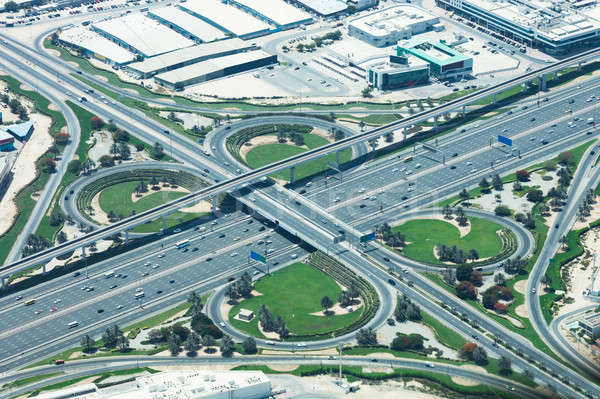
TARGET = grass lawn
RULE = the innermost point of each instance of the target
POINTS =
(424, 234)
(269, 153)
(293, 293)
(117, 198)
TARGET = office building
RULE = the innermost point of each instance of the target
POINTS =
(386, 27)
(398, 72)
(444, 61)
(590, 323)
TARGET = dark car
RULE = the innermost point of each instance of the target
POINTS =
(159, 292)
(221, 235)
(171, 281)
(208, 259)
(392, 282)
(404, 198)
(206, 170)
(194, 249)
(385, 258)
(113, 286)
(571, 101)
(100, 310)
(261, 228)
(455, 154)
(362, 206)
(231, 278)
(76, 274)
(453, 167)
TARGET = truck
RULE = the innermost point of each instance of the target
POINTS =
(590, 121)
(109, 274)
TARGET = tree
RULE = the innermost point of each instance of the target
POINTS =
(208, 341)
(109, 338)
(366, 336)
(106, 161)
(530, 221)
(173, 344)
(466, 290)
(499, 279)
(196, 304)
(473, 255)
(566, 158)
(157, 151)
(326, 303)
(338, 135)
(123, 343)
(61, 237)
(353, 290)
(227, 346)
(367, 92)
(497, 182)
(447, 211)
(231, 293)
(502, 210)
(535, 196)
(344, 299)
(124, 151)
(87, 343)
(479, 356)
(114, 148)
(96, 122)
(56, 218)
(48, 165)
(463, 272)
(464, 195)
(249, 346)
(466, 351)
(522, 175)
(361, 125)
(191, 344)
(484, 184)
(11, 6)
(62, 138)
(476, 278)
(74, 166)
(405, 342)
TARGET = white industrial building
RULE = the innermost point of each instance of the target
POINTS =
(276, 12)
(177, 385)
(95, 45)
(186, 24)
(227, 18)
(323, 7)
(554, 26)
(141, 34)
(214, 68)
(187, 56)
(386, 27)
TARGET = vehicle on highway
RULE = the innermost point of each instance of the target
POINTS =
(182, 244)
(29, 302)
(109, 274)
(177, 231)
(100, 311)
(119, 307)
(533, 290)
(392, 282)
(139, 294)
(73, 324)
(76, 274)
(113, 286)
(171, 281)
(161, 255)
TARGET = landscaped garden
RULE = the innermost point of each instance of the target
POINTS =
(422, 236)
(295, 294)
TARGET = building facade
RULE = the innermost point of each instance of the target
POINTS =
(444, 61)
(397, 73)
(591, 325)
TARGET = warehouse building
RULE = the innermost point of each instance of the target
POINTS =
(94, 45)
(553, 26)
(143, 35)
(590, 323)
(226, 18)
(187, 56)
(275, 12)
(186, 24)
(324, 8)
(20, 131)
(177, 384)
(215, 68)
(444, 61)
(386, 27)
(398, 72)
(7, 141)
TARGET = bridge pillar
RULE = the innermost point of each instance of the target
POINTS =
(494, 98)
(292, 169)
(373, 143)
(337, 158)
(404, 134)
(214, 204)
(543, 82)
(43, 269)
(3, 279)
(435, 121)
(464, 111)
(126, 236)
(164, 223)
(579, 67)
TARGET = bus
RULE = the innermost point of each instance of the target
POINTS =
(182, 244)
(29, 302)
(73, 324)
(139, 294)
(109, 274)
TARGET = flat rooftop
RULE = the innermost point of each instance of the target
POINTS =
(555, 20)
(436, 52)
(277, 11)
(226, 16)
(210, 66)
(186, 21)
(144, 34)
(382, 66)
(324, 7)
(189, 53)
(592, 319)
(95, 42)
(393, 19)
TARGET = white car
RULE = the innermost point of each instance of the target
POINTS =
(119, 306)
(294, 256)
(234, 254)
(161, 255)
(222, 324)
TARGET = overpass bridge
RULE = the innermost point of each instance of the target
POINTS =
(289, 163)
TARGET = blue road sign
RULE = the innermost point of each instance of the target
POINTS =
(257, 257)
(504, 140)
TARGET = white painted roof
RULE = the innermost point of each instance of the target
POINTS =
(95, 42)
(324, 7)
(197, 27)
(277, 11)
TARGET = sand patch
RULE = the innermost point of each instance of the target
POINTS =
(101, 77)
(337, 309)
(99, 215)
(201, 207)
(521, 286)
(327, 352)
(322, 133)
(282, 367)
(176, 316)
(24, 168)
(521, 310)
(53, 107)
(465, 381)
(594, 215)
(26, 87)
(269, 335)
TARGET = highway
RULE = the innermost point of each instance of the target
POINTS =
(272, 207)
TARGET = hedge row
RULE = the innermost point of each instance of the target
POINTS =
(184, 179)
(237, 140)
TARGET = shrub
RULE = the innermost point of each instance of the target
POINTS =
(500, 307)
(566, 157)
(463, 272)
(535, 196)
(96, 122)
(62, 138)
(405, 342)
(502, 210)
(522, 175)
(466, 290)
(107, 161)
(467, 350)
(121, 135)
(48, 165)
(74, 166)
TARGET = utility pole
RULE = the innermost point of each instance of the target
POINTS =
(340, 347)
